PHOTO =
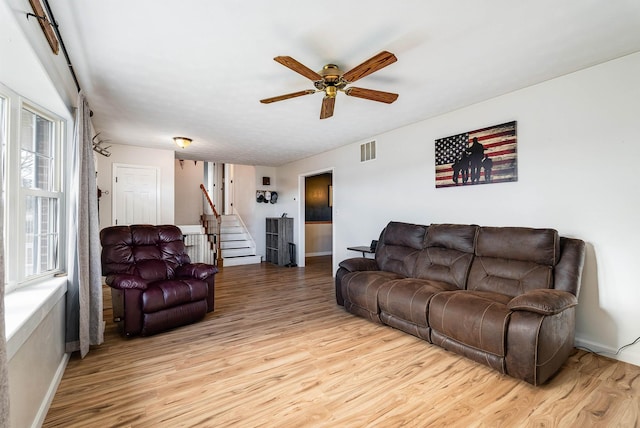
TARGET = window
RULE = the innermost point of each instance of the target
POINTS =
(32, 192)
(40, 189)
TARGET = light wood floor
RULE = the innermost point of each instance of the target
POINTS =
(278, 352)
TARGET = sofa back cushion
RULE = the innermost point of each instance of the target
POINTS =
(151, 252)
(399, 246)
(514, 260)
(448, 253)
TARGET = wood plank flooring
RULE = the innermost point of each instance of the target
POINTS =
(279, 352)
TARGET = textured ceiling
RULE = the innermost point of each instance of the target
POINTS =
(153, 69)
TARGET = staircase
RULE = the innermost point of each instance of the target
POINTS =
(236, 245)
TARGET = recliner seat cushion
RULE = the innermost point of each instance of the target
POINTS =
(404, 304)
(360, 291)
(169, 293)
(477, 319)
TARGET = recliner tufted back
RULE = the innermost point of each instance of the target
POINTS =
(151, 252)
(514, 260)
(399, 246)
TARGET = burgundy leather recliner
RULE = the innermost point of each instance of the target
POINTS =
(154, 285)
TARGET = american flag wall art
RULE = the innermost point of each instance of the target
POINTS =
(483, 156)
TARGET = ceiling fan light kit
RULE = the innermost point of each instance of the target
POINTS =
(331, 79)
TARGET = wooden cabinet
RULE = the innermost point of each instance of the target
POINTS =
(279, 235)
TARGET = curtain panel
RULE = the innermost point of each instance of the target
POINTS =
(84, 319)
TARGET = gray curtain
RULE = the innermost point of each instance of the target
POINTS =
(84, 322)
(4, 373)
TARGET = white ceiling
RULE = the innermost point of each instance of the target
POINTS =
(154, 69)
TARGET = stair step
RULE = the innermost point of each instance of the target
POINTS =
(237, 261)
(233, 237)
(237, 252)
(235, 244)
(231, 229)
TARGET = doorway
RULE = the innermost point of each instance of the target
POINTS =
(315, 228)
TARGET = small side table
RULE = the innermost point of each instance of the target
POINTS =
(362, 249)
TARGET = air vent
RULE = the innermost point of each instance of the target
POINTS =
(368, 151)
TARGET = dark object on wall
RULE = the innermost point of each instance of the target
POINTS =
(266, 181)
(482, 156)
(373, 245)
(266, 196)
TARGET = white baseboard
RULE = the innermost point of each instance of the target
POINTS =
(51, 392)
(320, 253)
(629, 355)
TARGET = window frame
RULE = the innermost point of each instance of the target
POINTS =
(15, 196)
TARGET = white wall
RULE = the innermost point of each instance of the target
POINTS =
(38, 362)
(578, 156)
(164, 160)
(188, 195)
(246, 180)
(35, 366)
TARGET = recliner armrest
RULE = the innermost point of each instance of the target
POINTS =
(124, 281)
(358, 264)
(543, 301)
(196, 270)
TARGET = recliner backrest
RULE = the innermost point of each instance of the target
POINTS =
(398, 247)
(151, 252)
(448, 253)
(514, 260)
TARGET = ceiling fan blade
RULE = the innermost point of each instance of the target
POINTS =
(370, 94)
(294, 65)
(327, 107)
(371, 65)
(287, 96)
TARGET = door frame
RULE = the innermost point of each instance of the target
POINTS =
(114, 187)
(301, 247)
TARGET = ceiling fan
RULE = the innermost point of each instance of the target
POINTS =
(331, 79)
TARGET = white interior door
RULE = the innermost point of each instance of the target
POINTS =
(135, 194)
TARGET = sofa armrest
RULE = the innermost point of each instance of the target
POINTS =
(196, 270)
(123, 281)
(357, 264)
(543, 301)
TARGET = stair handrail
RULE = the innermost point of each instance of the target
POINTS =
(206, 195)
(218, 221)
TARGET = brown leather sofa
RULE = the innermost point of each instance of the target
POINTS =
(154, 285)
(501, 296)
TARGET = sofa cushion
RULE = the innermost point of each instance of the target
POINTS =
(473, 318)
(541, 246)
(399, 247)
(360, 291)
(448, 254)
(404, 303)
(509, 277)
(514, 260)
(459, 237)
(445, 265)
(404, 235)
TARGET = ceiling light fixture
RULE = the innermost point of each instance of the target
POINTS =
(182, 142)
